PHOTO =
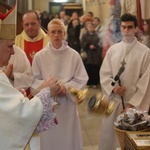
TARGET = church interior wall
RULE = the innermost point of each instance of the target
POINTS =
(100, 8)
(145, 5)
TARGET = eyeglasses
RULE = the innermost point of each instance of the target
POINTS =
(128, 27)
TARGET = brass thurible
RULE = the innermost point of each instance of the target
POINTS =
(80, 94)
(99, 104)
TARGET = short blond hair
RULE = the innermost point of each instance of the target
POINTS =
(58, 22)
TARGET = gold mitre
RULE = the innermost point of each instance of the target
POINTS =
(8, 24)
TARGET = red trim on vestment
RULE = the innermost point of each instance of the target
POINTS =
(31, 48)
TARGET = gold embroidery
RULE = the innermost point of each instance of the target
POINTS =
(32, 54)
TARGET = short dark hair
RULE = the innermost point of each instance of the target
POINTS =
(96, 19)
(91, 13)
(129, 17)
(31, 11)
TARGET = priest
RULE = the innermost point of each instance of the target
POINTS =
(21, 117)
(32, 39)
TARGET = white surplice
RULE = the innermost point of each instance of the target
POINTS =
(65, 64)
(21, 69)
(17, 115)
(135, 78)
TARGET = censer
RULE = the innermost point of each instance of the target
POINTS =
(80, 94)
(99, 104)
